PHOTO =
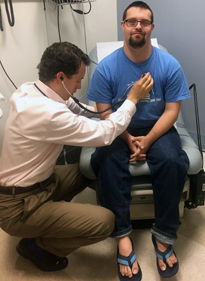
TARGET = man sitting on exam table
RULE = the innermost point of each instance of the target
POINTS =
(152, 126)
(35, 194)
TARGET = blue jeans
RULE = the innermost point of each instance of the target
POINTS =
(168, 164)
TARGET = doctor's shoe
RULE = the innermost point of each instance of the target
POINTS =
(44, 260)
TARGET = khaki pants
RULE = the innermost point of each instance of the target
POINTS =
(58, 225)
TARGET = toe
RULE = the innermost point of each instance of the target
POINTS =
(172, 260)
(162, 265)
(128, 272)
(125, 271)
(169, 262)
(135, 268)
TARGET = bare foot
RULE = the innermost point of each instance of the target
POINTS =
(171, 260)
(125, 249)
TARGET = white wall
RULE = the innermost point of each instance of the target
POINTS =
(21, 46)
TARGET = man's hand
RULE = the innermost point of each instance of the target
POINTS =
(141, 143)
(137, 155)
(135, 147)
(163, 124)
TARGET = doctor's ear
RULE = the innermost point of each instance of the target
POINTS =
(60, 76)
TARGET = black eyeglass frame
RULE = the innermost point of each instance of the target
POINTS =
(147, 22)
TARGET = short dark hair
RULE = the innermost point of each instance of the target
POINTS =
(138, 4)
(61, 56)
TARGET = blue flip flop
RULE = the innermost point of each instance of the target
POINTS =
(170, 271)
(129, 262)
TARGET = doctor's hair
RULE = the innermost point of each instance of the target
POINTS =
(61, 56)
(138, 4)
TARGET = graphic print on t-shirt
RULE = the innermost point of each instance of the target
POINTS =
(148, 98)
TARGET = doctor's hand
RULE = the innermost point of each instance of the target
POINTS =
(141, 88)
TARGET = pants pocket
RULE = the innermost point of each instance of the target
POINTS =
(33, 201)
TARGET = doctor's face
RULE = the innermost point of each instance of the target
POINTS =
(137, 27)
(74, 82)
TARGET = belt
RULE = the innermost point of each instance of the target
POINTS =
(12, 190)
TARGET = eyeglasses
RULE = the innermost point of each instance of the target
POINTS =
(134, 22)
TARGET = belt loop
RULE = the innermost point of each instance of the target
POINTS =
(13, 191)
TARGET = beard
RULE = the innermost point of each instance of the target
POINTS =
(137, 43)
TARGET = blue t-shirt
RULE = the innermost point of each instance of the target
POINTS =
(116, 74)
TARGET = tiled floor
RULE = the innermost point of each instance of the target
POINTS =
(98, 262)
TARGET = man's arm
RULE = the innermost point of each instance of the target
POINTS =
(164, 123)
(134, 146)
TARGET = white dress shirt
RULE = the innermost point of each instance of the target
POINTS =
(38, 126)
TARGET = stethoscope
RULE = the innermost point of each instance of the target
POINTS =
(78, 102)
(9, 16)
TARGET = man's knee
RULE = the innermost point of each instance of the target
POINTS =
(177, 162)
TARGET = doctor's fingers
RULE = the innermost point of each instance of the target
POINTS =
(149, 83)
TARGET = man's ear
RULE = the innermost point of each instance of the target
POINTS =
(153, 26)
(122, 25)
(60, 76)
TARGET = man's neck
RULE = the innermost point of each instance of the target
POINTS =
(138, 55)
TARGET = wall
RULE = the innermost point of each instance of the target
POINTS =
(179, 26)
(21, 46)
(83, 30)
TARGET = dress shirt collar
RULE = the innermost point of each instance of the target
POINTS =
(49, 92)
